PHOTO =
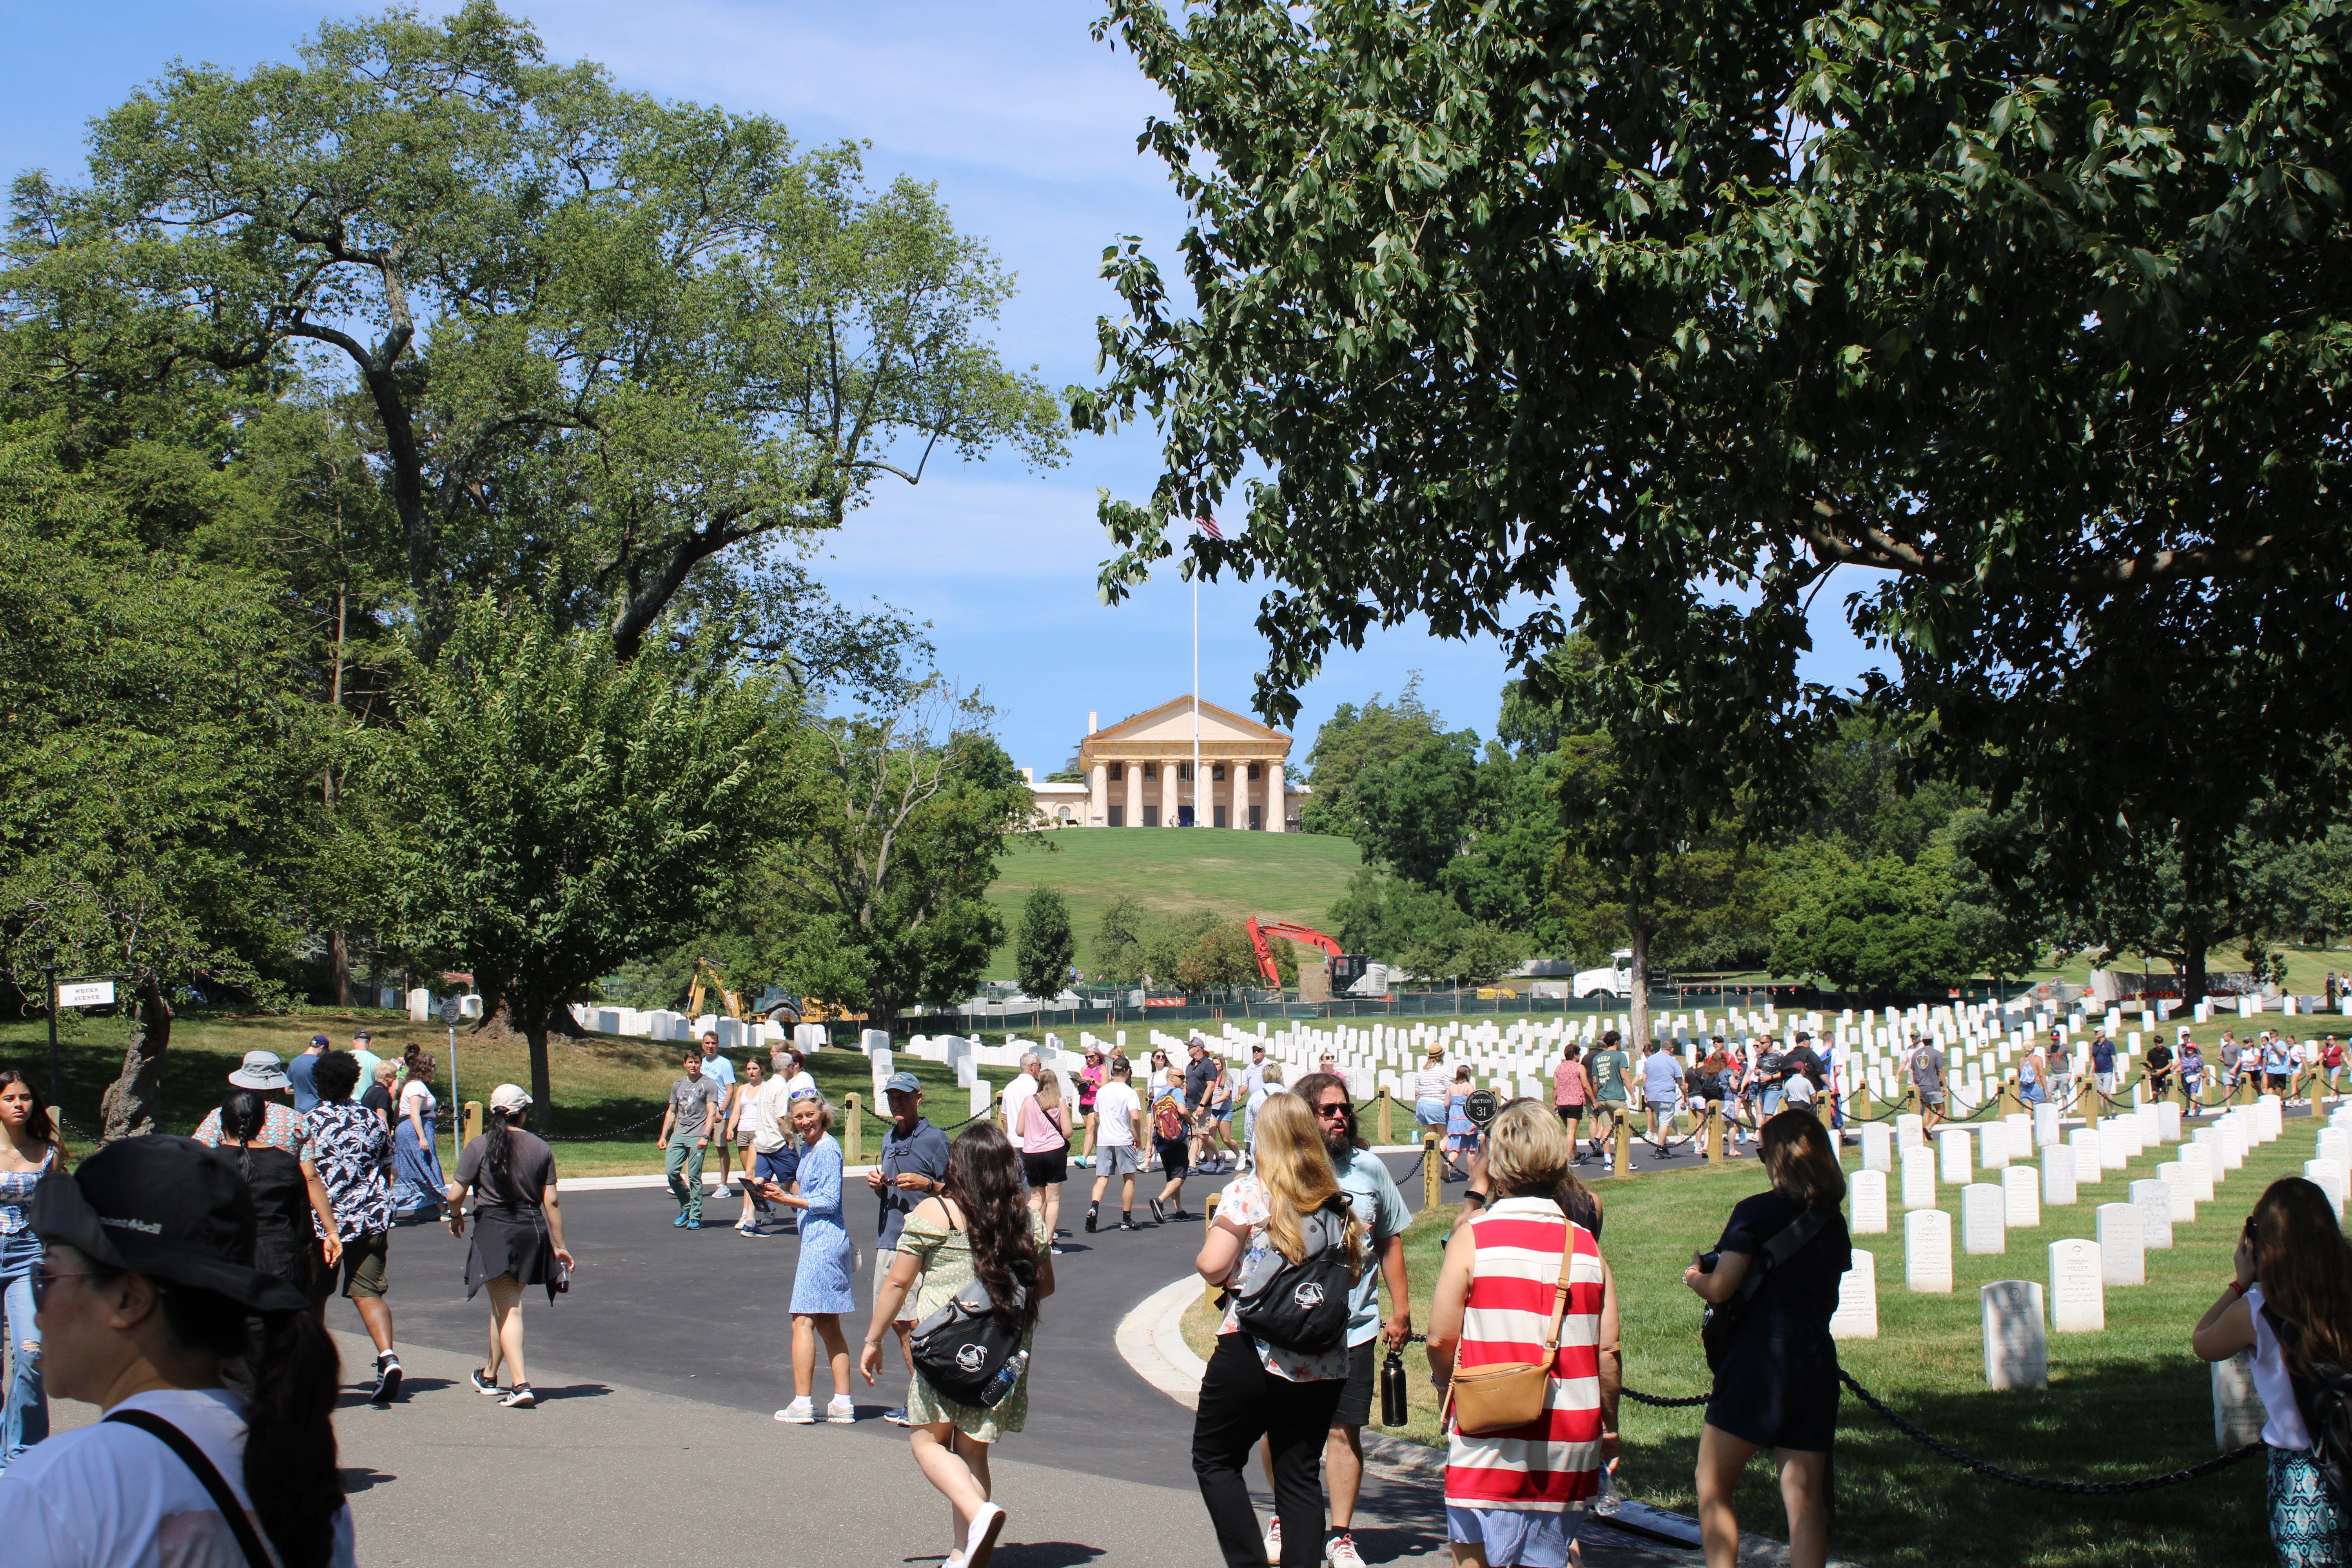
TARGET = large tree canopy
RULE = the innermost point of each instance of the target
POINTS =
(1649, 317)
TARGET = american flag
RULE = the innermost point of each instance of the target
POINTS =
(1209, 526)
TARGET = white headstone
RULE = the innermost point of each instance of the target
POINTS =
(2134, 1136)
(2167, 1120)
(2114, 1146)
(2084, 1142)
(2078, 1300)
(2021, 1191)
(1857, 1310)
(2328, 1177)
(2270, 1117)
(1877, 1146)
(1865, 1192)
(420, 1006)
(2154, 1201)
(2122, 1260)
(1906, 1131)
(2058, 1177)
(2197, 1159)
(984, 1095)
(1918, 1179)
(1994, 1147)
(2334, 1144)
(2175, 1175)
(1984, 1218)
(2016, 1353)
(2232, 1140)
(1954, 1164)
(1928, 1251)
(2045, 1125)
(2238, 1412)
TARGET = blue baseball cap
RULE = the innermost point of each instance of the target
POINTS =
(902, 1083)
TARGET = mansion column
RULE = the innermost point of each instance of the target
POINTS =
(1131, 789)
(1097, 796)
(1237, 792)
(1277, 798)
(1167, 791)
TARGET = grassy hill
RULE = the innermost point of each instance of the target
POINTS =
(1289, 876)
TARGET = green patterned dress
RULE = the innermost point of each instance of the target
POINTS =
(946, 1259)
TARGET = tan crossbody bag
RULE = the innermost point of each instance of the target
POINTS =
(1502, 1394)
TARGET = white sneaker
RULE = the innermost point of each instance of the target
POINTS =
(799, 1413)
(980, 1541)
(1340, 1551)
(841, 1412)
(1274, 1540)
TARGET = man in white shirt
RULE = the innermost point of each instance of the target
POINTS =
(1118, 1112)
(1022, 1088)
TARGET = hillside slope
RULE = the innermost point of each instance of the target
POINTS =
(1288, 876)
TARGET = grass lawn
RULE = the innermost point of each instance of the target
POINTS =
(1294, 877)
(2126, 1403)
(602, 1083)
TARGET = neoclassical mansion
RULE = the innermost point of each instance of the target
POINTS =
(1139, 774)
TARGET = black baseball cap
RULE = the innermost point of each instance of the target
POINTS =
(166, 1207)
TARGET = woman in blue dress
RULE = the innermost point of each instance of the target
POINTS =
(28, 1150)
(821, 1283)
(417, 1179)
(1461, 1132)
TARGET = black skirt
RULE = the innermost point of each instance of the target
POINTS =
(511, 1241)
(1780, 1396)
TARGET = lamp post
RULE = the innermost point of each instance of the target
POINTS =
(49, 979)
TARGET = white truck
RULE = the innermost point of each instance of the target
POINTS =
(1616, 981)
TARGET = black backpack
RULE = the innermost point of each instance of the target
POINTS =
(1302, 1306)
(960, 1348)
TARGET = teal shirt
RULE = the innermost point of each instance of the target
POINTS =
(1608, 1069)
(1373, 1193)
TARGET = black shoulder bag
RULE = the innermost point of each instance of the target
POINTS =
(1719, 1325)
(1303, 1307)
(960, 1348)
(248, 1540)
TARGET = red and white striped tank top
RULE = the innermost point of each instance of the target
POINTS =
(1553, 1462)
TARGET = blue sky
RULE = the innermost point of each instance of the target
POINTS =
(1027, 127)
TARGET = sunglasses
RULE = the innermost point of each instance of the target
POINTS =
(1343, 1109)
(801, 1094)
(41, 1281)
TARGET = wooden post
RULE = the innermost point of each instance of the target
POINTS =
(472, 1121)
(852, 1136)
(1714, 1132)
(1624, 1144)
(1827, 1112)
(1859, 1101)
(1433, 1174)
(2011, 1102)
(1386, 1103)
(2315, 1082)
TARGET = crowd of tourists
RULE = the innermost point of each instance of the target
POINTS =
(180, 1283)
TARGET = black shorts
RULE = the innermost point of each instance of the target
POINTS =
(1571, 1114)
(1175, 1157)
(1046, 1170)
(1355, 1407)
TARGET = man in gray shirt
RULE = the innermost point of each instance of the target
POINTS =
(1927, 1073)
(694, 1102)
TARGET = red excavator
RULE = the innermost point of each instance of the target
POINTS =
(1346, 968)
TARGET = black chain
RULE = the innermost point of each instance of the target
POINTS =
(1663, 1403)
(66, 1122)
(608, 1133)
(2043, 1483)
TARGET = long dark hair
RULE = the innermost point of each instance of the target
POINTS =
(2304, 1266)
(289, 1444)
(984, 1180)
(243, 1115)
(40, 1124)
(419, 1063)
(497, 1146)
(1796, 1156)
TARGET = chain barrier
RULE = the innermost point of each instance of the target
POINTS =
(66, 1122)
(1661, 1402)
(608, 1133)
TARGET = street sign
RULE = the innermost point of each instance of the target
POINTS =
(87, 994)
(452, 1009)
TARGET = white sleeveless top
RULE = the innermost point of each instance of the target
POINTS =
(2284, 1428)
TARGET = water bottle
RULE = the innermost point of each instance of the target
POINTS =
(1392, 1406)
(1007, 1378)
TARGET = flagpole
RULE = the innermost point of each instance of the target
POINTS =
(1197, 791)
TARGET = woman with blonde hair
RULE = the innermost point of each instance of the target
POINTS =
(1290, 1208)
(1521, 1274)
(821, 1292)
(2291, 1304)
(1776, 1385)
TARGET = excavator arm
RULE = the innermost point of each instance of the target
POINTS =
(1260, 929)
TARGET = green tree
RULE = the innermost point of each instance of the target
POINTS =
(603, 339)
(1117, 950)
(554, 811)
(1413, 814)
(1045, 950)
(1876, 925)
(1354, 738)
(155, 779)
(2035, 321)
(881, 904)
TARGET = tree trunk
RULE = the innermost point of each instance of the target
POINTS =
(338, 964)
(1640, 1011)
(2192, 971)
(128, 1108)
(542, 1088)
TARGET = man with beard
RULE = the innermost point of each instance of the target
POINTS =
(1373, 1194)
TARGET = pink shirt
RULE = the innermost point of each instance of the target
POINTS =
(1042, 1130)
(1568, 1084)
